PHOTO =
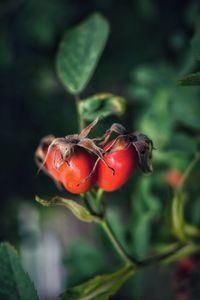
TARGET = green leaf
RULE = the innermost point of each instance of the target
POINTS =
(79, 211)
(104, 104)
(14, 282)
(80, 51)
(102, 286)
(191, 79)
(195, 42)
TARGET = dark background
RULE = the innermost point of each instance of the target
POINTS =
(148, 50)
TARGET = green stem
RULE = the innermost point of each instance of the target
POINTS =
(167, 256)
(178, 203)
(187, 173)
(160, 257)
(100, 193)
(79, 112)
(88, 205)
(119, 248)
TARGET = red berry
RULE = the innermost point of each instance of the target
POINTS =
(184, 267)
(122, 161)
(173, 178)
(76, 170)
(52, 163)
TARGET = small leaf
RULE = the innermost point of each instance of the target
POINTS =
(14, 282)
(79, 211)
(102, 286)
(80, 51)
(191, 79)
(104, 105)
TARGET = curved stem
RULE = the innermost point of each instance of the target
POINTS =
(119, 248)
(79, 112)
(187, 173)
(178, 203)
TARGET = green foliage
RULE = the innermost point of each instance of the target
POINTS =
(167, 112)
(15, 284)
(186, 108)
(80, 51)
(102, 286)
(79, 211)
(146, 208)
(84, 260)
(182, 143)
(191, 79)
(195, 42)
(104, 105)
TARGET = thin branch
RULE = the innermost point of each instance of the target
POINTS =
(119, 248)
(79, 113)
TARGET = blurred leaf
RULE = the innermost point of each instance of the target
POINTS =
(114, 215)
(153, 76)
(41, 28)
(104, 105)
(182, 143)
(146, 208)
(79, 211)
(185, 108)
(142, 234)
(102, 286)
(14, 282)
(195, 42)
(178, 225)
(195, 210)
(80, 51)
(83, 260)
(191, 79)
(160, 113)
(136, 285)
(171, 159)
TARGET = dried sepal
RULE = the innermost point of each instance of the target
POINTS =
(86, 131)
(144, 147)
(66, 147)
(142, 144)
(115, 128)
(42, 149)
(41, 154)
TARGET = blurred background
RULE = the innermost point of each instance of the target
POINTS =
(147, 52)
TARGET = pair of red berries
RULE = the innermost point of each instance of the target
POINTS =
(78, 163)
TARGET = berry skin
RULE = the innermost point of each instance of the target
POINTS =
(123, 161)
(51, 163)
(74, 172)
